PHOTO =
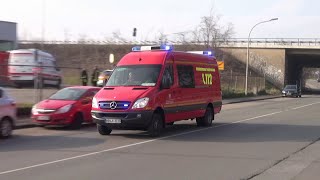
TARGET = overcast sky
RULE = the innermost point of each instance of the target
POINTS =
(97, 19)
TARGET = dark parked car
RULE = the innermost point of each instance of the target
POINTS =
(291, 90)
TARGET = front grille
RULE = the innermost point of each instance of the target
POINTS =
(114, 105)
(45, 111)
(108, 115)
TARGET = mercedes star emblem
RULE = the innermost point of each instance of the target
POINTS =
(113, 105)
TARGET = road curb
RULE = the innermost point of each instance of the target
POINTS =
(240, 100)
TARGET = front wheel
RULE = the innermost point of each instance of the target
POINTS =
(77, 121)
(6, 128)
(103, 130)
(58, 86)
(156, 125)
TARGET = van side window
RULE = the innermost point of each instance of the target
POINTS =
(168, 73)
(1, 93)
(186, 76)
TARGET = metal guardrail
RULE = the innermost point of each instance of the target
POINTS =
(231, 42)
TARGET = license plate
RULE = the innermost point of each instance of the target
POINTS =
(289, 93)
(113, 121)
(44, 118)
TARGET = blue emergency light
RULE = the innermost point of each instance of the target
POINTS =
(149, 48)
(166, 47)
(206, 53)
(136, 48)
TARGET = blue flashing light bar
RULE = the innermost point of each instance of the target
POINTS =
(206, 53)
(149, 48)
(166, 47)
(136, 48)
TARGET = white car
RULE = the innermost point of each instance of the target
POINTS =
(8, 116)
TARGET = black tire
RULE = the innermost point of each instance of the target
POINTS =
(58, 86)
(18, 86)
(77, 121)
(39, 83)
(6, 128)
(103, 130)
(206, 120)
(156, 125)
(170, 123)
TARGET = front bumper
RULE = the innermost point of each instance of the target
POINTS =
(56, 119)
(289, 94)
(129, 120)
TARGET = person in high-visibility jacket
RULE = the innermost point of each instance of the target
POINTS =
(84, 77)
(94, 76)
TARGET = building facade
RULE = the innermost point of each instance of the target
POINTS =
(8, 35)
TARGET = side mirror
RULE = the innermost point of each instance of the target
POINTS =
(85, 101)
(165, 84)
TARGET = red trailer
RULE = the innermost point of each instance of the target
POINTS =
(4, 56)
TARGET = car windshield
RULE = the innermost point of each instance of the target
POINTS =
(68, 94)
(105, 73)
(135, 75)
(290, 87)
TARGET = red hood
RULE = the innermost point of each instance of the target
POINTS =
(121, 93)
(53, 104)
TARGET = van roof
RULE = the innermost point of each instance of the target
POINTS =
(31, 51)
(158, 57)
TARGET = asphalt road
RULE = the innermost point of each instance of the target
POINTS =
(251, 140)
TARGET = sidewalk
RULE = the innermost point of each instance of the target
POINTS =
(25, 122)
(247, 99)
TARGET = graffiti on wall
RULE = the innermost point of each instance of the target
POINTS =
(261, 65)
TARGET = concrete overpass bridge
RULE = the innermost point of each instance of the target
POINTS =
(282, 61)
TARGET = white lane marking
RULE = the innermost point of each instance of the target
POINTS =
(305, 105)
(144, 142)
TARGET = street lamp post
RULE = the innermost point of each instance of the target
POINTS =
(247, 63)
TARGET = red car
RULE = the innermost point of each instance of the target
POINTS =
(70, 106)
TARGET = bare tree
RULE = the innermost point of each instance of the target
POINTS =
(82, 38)
(210, 32)
(117, 36)
(161, 37)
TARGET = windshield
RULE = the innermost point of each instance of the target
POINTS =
(290, 87)
(68, 94)
(135, 75)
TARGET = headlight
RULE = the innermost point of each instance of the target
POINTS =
(34, 110)
(283, 92)
(140, 103)
(64, 109)
(95, 103)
